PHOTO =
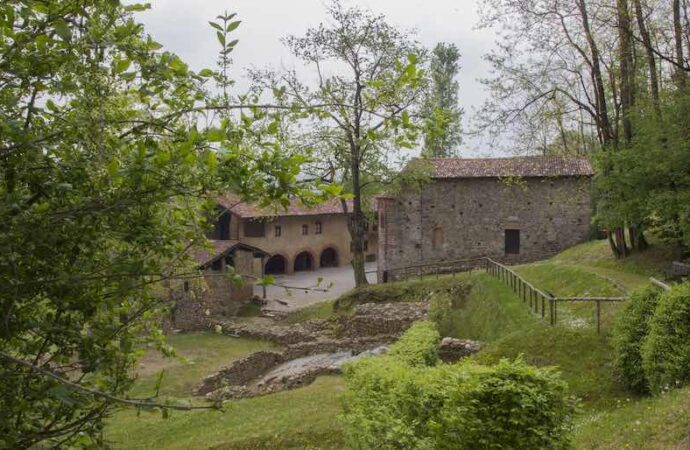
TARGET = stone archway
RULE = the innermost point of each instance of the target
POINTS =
(276, 265)
(304, 261)
(329, 258)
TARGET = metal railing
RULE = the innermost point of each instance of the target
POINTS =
(541, 302)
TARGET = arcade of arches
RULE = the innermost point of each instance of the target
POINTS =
(279, 264)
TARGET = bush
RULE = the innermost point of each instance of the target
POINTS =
(631, 329)
(440, 312)
(418, 346)
(467, 406)
(666, 350)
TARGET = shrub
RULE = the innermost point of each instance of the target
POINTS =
(666, 350)
(440, 310)
(631, 329)
(466, 406)
(418, 346)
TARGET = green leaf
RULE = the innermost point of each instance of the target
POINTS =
(216, 26)
(233, 26)
(121, 65)
(206, 73)
(215, 135)
(221, 38)
(178, 66)
(62, 29)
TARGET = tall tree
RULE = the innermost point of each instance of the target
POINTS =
(368, 83)
(105, 173)
(442, 132)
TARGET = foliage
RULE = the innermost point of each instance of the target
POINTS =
(105, 172)
(630, 331)
(442, 133)
(361, 112)
(418, 346)
(666, 350)
(649, 181)
(462, 406)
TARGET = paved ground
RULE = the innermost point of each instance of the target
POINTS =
(337, 280)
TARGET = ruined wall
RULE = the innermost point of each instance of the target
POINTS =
(216, 296)
(472, 215)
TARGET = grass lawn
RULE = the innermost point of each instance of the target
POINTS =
(302, 418)
(199, 354)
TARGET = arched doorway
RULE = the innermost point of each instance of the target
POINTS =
(304, 261)
(329, 258)
(276, 265)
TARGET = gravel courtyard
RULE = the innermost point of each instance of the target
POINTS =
(337, 280)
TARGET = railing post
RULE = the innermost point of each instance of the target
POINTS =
(552, 311)
(542, 308)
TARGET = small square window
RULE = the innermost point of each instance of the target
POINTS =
(305, 230)
(278, 231)
(318, 228)
(366, 245)
(217, 265)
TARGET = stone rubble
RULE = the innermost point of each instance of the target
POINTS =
(452, 349)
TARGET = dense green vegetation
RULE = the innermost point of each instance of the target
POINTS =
(465, 405)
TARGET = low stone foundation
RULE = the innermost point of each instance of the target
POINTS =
(241, 371)
(451, 349)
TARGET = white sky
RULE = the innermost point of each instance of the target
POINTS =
(182, 27)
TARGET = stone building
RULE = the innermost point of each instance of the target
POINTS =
(297, 238)
(214, 294)
(511, 209)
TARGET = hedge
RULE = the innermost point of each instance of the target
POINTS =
(418, 346)
(666, 349)
(629, 332)
(390, 404)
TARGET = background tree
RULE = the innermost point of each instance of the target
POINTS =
(358, 115)
(105, 176)
(442, 132)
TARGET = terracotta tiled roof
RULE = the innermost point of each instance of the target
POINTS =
(205, 256)
(247, 210)
(520, 166)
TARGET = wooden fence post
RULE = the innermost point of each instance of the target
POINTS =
(543, 306)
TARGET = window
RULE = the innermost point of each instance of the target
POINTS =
(230, 260)
(512, 242)
(278, 231)
(221, 226)
(186, 286)
(217, 265)
(317, 228)
(366, 245)
(437, 238)
(254, 228)
(305, 230)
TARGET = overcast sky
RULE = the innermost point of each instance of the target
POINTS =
(182, 27)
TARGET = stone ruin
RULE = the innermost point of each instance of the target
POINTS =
(317, 347)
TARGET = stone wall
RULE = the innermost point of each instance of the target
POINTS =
(197, 302)
(472, 215)
(241, 371)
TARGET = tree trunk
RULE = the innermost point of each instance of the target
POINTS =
(602, 119)
(356, 225)
(627, 84)
(651, 59)
(678, 37)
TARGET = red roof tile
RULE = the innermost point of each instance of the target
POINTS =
(204, 255)
(247, 210)
(520, 166)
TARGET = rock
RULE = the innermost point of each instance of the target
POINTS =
(452, 349)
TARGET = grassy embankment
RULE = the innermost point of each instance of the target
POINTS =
(307, 417)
